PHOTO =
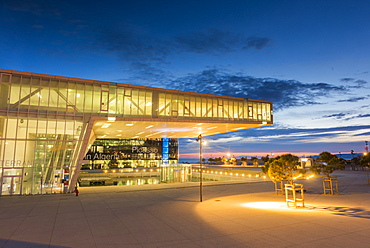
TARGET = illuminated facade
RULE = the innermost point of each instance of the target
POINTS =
(48, 123)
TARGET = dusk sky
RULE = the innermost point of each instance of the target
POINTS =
(310, 58)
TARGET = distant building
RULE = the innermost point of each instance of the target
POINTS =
(305, 162)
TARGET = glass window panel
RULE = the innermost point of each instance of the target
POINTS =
(149, 103)
(88, 97)
(198, 112)
(135, 102)
(96, 99)
(80, 99)
(15, 93)
(142, 102)
(120, 100)
(181, 105)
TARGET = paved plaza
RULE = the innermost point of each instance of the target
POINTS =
(170, 215)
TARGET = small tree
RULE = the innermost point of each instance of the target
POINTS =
(244, 161)
(283, 168)
(265, 159)
(224, 160)
(326, 164)
(233, 161)
(254, 161)
(365, 160)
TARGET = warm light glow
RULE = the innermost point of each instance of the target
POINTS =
(129, 124)
(111, 119)
(266, 205)
(149, 126)
(106, 125)
(300, 175)
(310, 176)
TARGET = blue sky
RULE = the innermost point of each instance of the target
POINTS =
(311, 58)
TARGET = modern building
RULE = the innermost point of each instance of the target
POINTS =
(48, 124)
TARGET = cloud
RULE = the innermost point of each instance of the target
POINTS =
(360, 82)
(358, 116)
(215, 41)
(283, 93)
(353, 99)
(257, 42)
(345, 80)
(132, 45)
(36, 7)
(336, 116)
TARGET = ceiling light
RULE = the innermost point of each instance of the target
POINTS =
(129, 124)
(106, 125)
(238, 128)
(111, 119)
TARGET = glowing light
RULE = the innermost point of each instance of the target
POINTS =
(106, 125)
(111, 119)
(129, 124)
(300, 175)
(310, 176)
(266, 205)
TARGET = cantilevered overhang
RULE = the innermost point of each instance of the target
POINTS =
(120, 128)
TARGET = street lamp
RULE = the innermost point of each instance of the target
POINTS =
(201, 168)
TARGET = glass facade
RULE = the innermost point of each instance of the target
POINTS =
(46, 123)
(130, 153)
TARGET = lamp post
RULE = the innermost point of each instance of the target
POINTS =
(201, 168)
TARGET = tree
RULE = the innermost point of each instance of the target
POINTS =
(283, 168)
(327, 163)
(244, 160)
(254, 161)
(233, 161)
(365, 160)
(224, 160)
(265, 159)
